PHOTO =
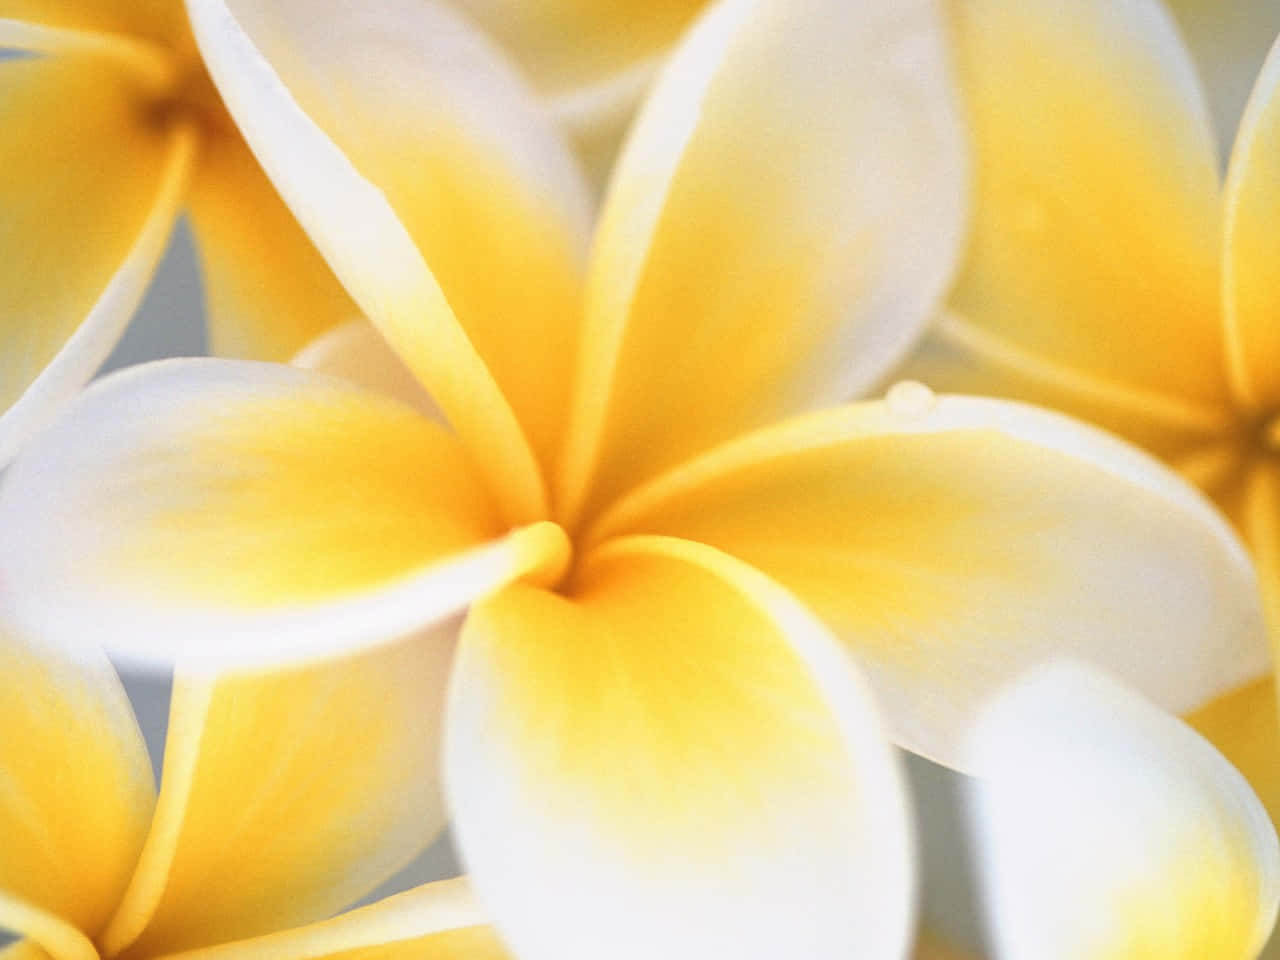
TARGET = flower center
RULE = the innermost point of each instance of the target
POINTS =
(190, 98)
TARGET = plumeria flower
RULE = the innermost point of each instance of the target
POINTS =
(285, 797)
(1106, 828)
(111, 129)
(662, 541)
(1113, 275)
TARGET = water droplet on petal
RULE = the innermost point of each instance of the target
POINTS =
(910, 399)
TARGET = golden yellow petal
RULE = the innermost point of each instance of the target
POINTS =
(1251, 284)
(162, 21)
(75, 783)
(952, 542)
(1245, 727)
(782, 222)
(90, 190)
(288, 795)
(267, 290)
(1094, 244)
(673, 759)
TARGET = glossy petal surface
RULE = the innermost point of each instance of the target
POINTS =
(75, 784)
(288, 795)
(673, 759)
(953, 542)
(217, 508)
(794, 206)
(1108, 829)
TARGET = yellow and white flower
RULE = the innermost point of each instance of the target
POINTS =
(665, 540)
(285, 797)
(1108, 830)
(111, 129)
(1111, 273)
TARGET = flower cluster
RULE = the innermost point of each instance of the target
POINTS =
(533, 487)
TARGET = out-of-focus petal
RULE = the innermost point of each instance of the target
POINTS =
(1251, 256)
(225, 509)
(673, 759)
(396, 133)
(1109, 829)
(1094, 244)
(1229, 39)
(267, 289)
(356, 351)
(89, 193)
(782, 221)
(288, 795)
(75, 784)
(953, 542)
(437, 921)
(1245, 727)
(159, 21)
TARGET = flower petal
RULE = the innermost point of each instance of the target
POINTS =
(953, 542)
(1109, 829)
(1251, 284)
(674, 759)
(1245, 727)
(396, 133)
(1229, 39)
(790, 197)
(72, 273)
(267, 289)
(356, 351)
(225, 509)
(436, 921)
(75, 783)
(154, 20)
(288, 795)
(1094, 242)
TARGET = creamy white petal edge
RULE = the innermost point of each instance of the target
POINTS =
(1107, 828)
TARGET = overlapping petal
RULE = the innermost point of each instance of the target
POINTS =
(83, 228)
(395, 133)
(437, 921)
(1245, 728)
(793, 208)
(1108, 829)
(267, 290)
(288, 795)
(356, 351)
(1078, 111)
(216, 508)
(1251, 282)
(673, 759)
(953, 542)
(75, 786)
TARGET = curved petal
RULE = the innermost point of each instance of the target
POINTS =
(222, 509)
(76, 792)
(953, 542)
(790, 197)
(288, 795)
(1229, 39)
(1251, 282)
(356, 351)
(436, 921)
(1245, 727)
(267, 290)
(1096, 219)
(396, 134)
(1109, 829)
(675, 759)
(90, 192)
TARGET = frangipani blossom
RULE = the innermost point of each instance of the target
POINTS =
(110, 129)
(285, 797)
(665, 541)
(1108, 830)
(1112, 274)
